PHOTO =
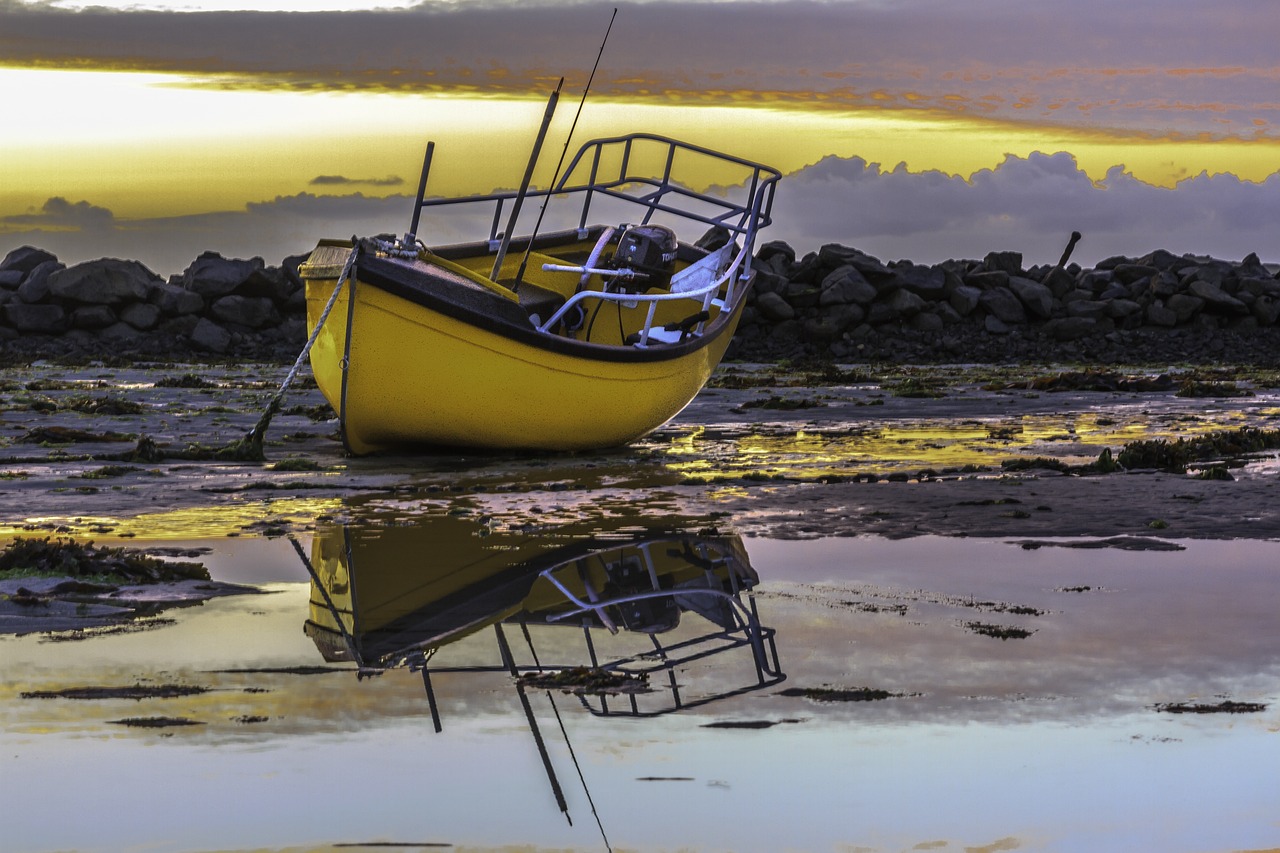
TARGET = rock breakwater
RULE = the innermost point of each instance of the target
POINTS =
(837, 303)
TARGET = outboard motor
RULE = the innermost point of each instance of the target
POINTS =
(650, 249)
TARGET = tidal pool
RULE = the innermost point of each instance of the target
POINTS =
(855, 694)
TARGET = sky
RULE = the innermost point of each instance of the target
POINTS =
(919, 129)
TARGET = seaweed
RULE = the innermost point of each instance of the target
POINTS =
(65, 557)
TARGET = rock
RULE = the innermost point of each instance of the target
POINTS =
(925, 282)
(1184, 305)
(831, 323)
(926, 322)
(1160, 259)
(120, 332)
(252, 311)
(1267, 310)
(774, 308)
(1006, 262)
(987, 280)
(92, 317)
(35, 287)
(995, 326)
(1090, 308)
(174, 301)
(274, 284)
(1035, 297)
(26, 258)
(905, 303)
(1159, 315)
(1118, 309)
(1217, 299)
(1060, 282)
(208, 336)
(1002, 304)
(801, 295)
(833, 255)
(1129, 273)
(964, 299)
(769, 250)
(103, 282)
(213, 276)
(141, 315)
(39, 319)
(846, 286)
(10, 279)
(1071, 328)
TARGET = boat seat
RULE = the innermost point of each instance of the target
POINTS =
(538, 302)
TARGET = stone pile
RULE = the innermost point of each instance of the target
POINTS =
(843, 304)
(216, 307)
(837, 303)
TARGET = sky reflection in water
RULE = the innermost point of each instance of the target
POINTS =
(1050, 742)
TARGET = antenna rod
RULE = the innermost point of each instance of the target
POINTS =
(528, 176)
(422, 189)
(524, 261)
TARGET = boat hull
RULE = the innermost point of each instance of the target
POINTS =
(417, 375)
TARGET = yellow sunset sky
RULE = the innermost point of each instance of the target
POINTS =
(915, 128)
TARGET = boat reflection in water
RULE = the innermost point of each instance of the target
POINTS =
(616, 610)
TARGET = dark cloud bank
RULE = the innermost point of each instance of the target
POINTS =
(1025, 205)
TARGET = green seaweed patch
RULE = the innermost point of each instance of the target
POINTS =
(1000, 632)
(1193, 388)
(296, 463)
(1087, 380)
(135, 692)
(914, 388)
(317, 413)
(53, 435)
(1226, 706)
(843, 694)
(1175, 456)
(782, 404)
(584, 680)
(106, 472)
(155, 722)
(56, 557)
(186, 380)
(104, 405)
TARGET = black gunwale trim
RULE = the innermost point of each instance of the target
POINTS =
(490, 312)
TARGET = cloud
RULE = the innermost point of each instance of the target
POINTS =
(1029, 205)
(58, 214)
(1209, 67)
(340, 180)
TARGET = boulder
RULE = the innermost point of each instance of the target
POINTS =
(926, 282)
(1006, 262)
(833, 255)
(92, 317)
(213, 276)
(208, 336)
(846, 286)
(964, 299)
(1184, 305)
(1089, 308)
(1071, 328)
(252, 311)
(141, 315)
(1003, 305)
(35, 286)
(1266, 309)
(10, 279)
(25, 258)
(774, 308)
(1217, 299)
(1129, 273)
(926, 322)
(38, 319)
(274, 284)
(773, 248)
(905, 303)
(174, 301)
(987, 280)
(1035, 297)
(1159, 315)
(102, 282)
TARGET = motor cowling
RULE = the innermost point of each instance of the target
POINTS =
(650, 249)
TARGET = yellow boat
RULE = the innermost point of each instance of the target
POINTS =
(585, 337)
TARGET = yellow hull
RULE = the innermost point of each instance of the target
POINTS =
(419, 376)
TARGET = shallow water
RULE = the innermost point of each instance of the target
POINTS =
(1056, 740)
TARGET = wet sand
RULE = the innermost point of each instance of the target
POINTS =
(782, 457)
